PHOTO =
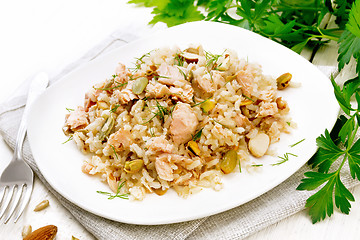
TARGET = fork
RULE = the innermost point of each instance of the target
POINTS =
(16, 181)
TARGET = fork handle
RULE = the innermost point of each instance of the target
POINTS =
(38, 85)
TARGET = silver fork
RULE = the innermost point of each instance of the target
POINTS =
(16, 181)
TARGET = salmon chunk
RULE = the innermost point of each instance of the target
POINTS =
(183, 124)
(244, 78)
(77, 118)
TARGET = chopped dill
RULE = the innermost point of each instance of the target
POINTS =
(284, 158)
(158, 76)
(112, 196)
(248, 98)
(220, 124)
(196, 104)
(140, 59)
(182, 72)
(197, 135)
(134, 78)
(68, 140)
(162, 111)
(115, 108)
(288, 123)
(211, 78)
(257, 165)
(111, 88)
(293, 145)
(70, 109)
(179, 60)
(151, 132)
(211, 59)
(239, 165)
(113, 148)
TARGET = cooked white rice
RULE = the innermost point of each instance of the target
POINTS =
(169, 135)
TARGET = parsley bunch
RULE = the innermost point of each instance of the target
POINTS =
(296, 24)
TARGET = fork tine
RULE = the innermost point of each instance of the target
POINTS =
(25, 201)
(2, 194)
(15, 203)
(7, 201)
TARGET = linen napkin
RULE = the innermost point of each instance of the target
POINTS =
(237, 223)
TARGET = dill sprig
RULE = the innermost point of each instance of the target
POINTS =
(196, 104)
(211, 58)
(111, 88)
(113, 148)
(257, 165)
(70, 109)
(182, 72)
(220, 123)
(68, 140)
(248, 98)
(115, 108)
(156, 77)
(284, 159)
(293, 145)
(197, 135)
(116, 195)
(179, 60)
(161, 112)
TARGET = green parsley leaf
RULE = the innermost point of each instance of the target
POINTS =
(327, 154)
(353, 24)
(321, 203)
(343, 101)
(176, 12)
(354, 160)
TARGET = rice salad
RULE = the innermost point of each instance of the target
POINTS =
(179, 119)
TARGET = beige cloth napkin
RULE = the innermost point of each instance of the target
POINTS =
(237, 223)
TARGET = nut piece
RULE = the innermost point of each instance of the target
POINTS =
(193, 147)
(160, 191)
(106, 128)
(45, 233)
(259, 144)
(74, 238)
(207, 106)
(133, 166)
(190, 57)
(44, 204)
(229, 161)
(139, 85)
(246, 102)
(283, 81)
(281, 104)
(27, 229)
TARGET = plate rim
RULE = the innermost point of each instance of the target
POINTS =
(105, 55)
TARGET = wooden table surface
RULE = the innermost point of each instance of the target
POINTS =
(42, 35)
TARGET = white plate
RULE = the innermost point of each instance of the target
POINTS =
(313, 108)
